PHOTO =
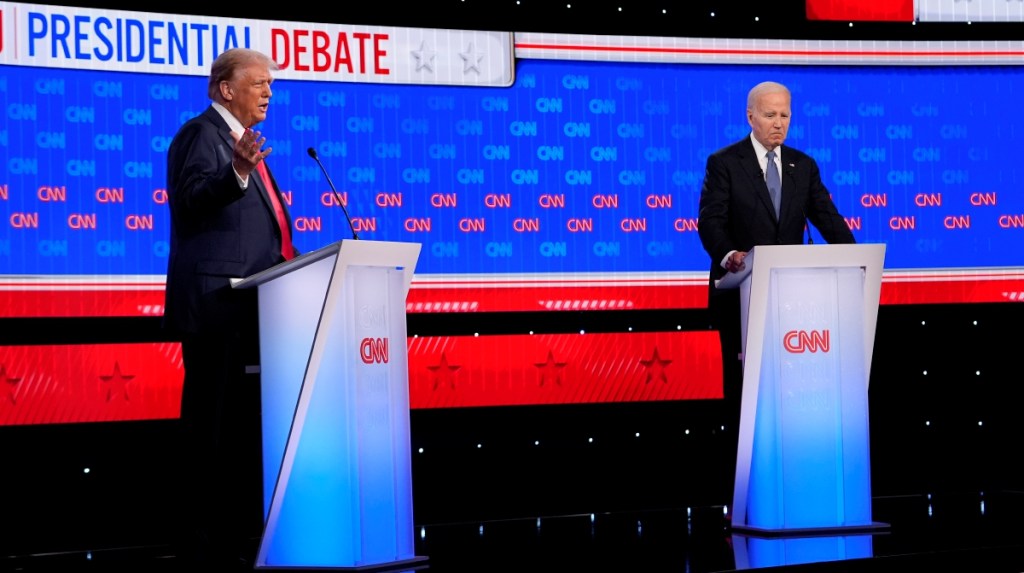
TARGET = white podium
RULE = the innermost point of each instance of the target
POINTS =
(808, 317)
(335, 404)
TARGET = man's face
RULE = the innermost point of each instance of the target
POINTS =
(247, 95)
(769, 119)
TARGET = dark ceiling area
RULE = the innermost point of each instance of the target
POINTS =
(782, 19)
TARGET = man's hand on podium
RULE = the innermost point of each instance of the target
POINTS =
(734, 262)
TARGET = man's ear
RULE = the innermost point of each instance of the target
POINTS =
(226, 92)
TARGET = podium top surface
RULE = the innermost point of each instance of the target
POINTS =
(382, 253)
(807, 256)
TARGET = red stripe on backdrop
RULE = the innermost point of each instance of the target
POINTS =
(57, 384)
(921, 291)
(544, 298)
(523, 369)
(102, 301)
(121, 382)
(89, 383)
(861, 10)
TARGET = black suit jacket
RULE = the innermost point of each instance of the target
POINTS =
(218, 231)
(736, 211)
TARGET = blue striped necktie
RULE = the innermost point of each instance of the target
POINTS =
(773, 181)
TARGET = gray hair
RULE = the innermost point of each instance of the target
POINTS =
(764, 88)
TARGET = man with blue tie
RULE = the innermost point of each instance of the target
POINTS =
(757, 191)
(228, 219)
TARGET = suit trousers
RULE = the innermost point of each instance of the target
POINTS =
(724, 311)
(221, 461)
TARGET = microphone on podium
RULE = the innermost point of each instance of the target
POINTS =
(337, 196)
(807, 227)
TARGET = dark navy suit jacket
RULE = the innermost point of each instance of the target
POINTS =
(218, 231)
(736, 210)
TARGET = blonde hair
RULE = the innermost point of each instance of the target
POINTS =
(226, 64)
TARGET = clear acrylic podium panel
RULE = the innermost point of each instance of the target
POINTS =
(337, 459)
(810, 465)
(808, 317)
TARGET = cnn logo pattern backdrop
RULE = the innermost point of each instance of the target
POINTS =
(580, 167)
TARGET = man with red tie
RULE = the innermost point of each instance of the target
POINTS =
(228, 219)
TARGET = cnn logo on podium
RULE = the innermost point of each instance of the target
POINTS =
(800, 341)
(374, 350)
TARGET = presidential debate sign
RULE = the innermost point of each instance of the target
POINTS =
(565, 177)
(141, 42)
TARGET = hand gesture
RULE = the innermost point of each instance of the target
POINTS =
(248, 151)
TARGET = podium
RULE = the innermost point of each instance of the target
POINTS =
(808, 317)
(337, 461)
(758, 552)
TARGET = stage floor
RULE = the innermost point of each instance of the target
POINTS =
(974, 531)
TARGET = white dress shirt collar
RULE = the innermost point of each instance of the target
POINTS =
(760, 150)
(233, 124)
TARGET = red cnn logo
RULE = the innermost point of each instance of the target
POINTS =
(374, 350)
(800, 341)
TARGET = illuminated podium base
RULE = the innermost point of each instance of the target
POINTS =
(808, 325)
(335, 398)
(753, 552)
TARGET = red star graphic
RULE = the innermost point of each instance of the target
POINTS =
(550, 369)
(444, 372)
(656, 367)
(118, 383)
(12, 384)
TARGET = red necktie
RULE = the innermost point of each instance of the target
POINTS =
(287, 251)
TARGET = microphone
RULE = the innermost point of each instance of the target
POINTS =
(337, 196)
(807, 226)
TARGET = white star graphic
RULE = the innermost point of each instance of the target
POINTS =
(471, 60)
(424, 57)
